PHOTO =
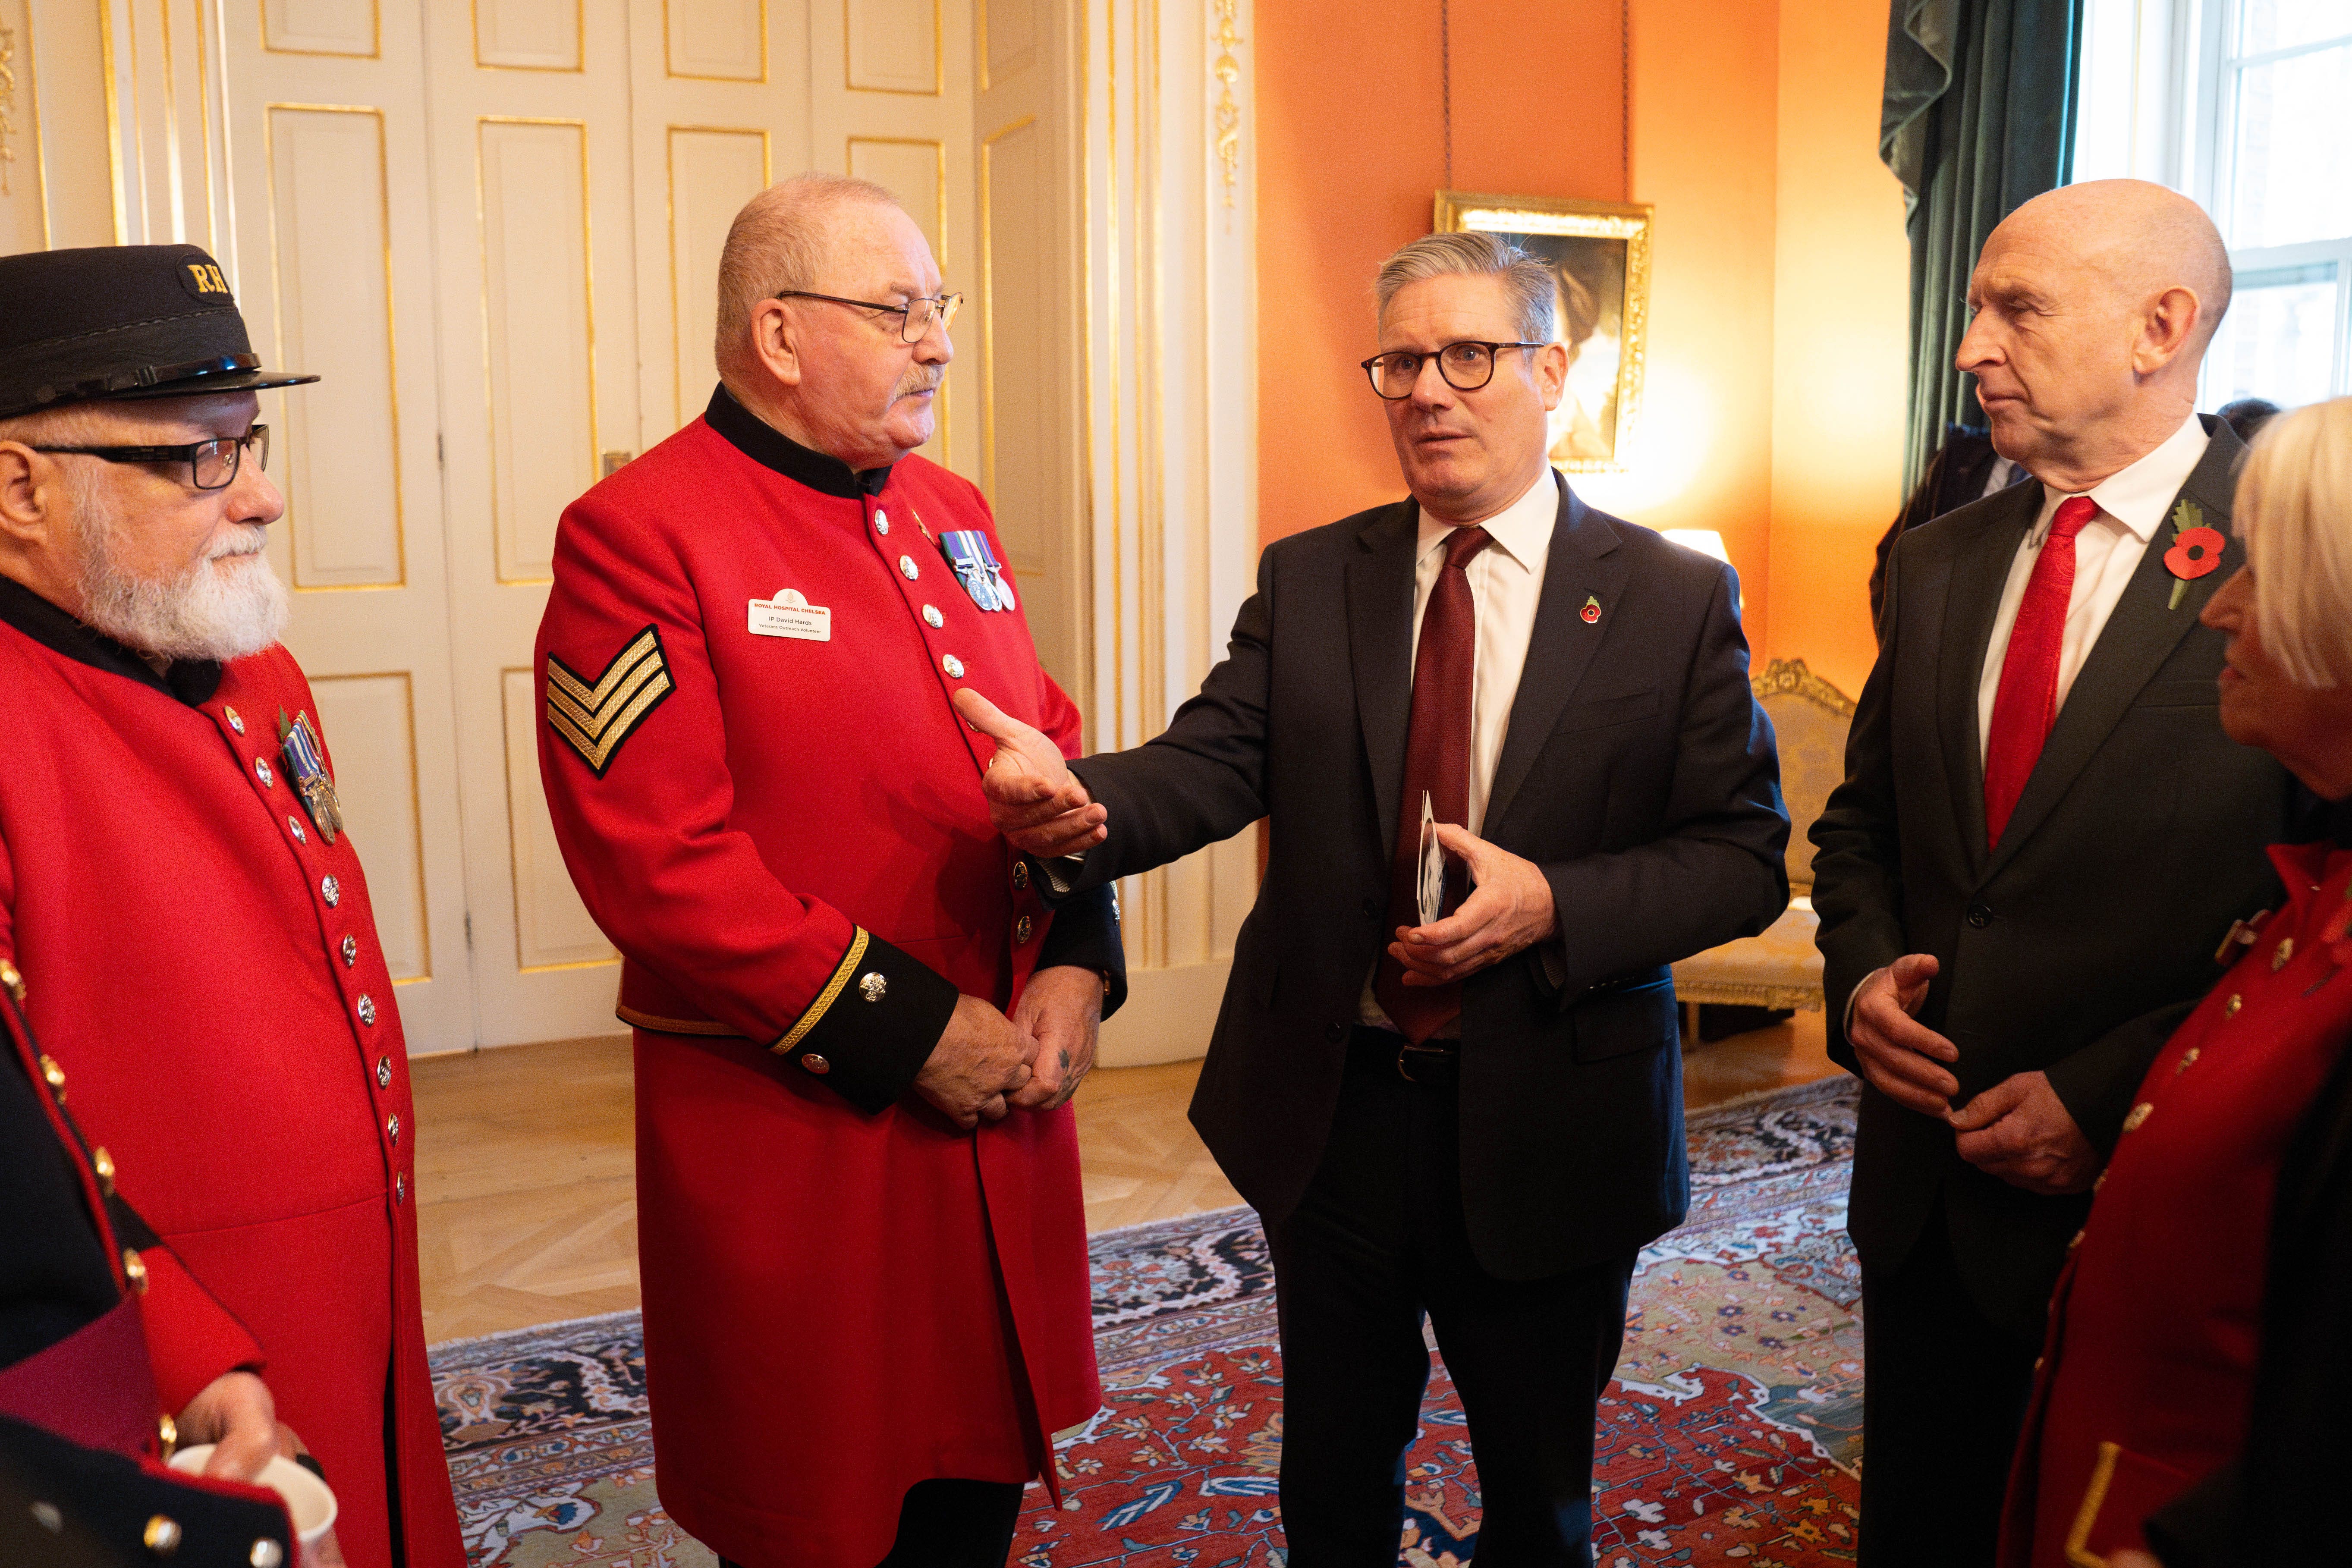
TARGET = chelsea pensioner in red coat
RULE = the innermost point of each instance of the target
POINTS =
(195, 934)
(770, 809)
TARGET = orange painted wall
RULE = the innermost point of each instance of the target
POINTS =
(1772, 400)
(1841, 283)
(1350, 153)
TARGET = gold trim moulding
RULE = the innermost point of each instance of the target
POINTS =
(669, 218)
(938, 57)
(588, 291)
(374, 50)
(674, 74)
(391, 331)
(579, 44)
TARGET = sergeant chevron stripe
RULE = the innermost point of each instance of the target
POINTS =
(595, 720)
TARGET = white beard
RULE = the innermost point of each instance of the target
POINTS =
(225, 606)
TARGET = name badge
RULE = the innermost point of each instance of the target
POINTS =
(787, 615)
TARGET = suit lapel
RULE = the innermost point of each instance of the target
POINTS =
(2138, 639)
(1980, 572)
(1582, 562)
(1379, 647)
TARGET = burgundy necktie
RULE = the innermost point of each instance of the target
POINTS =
(2026, 703)
(1436, 758)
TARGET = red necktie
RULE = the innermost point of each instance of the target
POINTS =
(1436, 758)
(2027, 702)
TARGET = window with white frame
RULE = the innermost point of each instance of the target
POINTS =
(2246, 106)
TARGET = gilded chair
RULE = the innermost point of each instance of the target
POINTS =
(1781, 968)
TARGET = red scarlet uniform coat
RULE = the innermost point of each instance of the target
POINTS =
(772, 811)
(203, 967)
(2148, 1369)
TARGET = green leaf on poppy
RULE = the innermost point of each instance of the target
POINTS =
(2185, 516)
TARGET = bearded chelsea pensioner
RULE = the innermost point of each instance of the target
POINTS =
(190, 921)
(1479, 1117)
(863, 1247)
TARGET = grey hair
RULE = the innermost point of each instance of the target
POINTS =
(1527, 279)
(777, 242)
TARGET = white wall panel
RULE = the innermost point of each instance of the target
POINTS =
(1008, 38)
(1018, 301)
(715, 40)
(352, 28)
(712, 172)
(328, 236)
(540, 331)
(894, 46)
(915, 172)
(553, 929)
(369, 723)
(530, 34)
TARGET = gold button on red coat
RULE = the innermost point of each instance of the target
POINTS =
(1020, 875)
(816, 1064)
(1021, 929)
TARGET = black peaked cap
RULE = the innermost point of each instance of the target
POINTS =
(122, 321)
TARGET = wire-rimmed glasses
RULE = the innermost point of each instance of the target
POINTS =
(916, 315)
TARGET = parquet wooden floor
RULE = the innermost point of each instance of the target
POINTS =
(525, 1173)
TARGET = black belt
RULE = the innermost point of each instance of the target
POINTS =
(1432, 1064)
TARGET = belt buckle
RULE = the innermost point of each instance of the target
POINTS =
(1409, 1050)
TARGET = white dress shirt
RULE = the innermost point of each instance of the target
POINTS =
(2131, 507)
(1506, 585)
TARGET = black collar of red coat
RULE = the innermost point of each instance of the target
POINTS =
(186, 681)
(772, 449)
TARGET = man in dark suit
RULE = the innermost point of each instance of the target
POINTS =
(1478, 1117)
(2042, 834)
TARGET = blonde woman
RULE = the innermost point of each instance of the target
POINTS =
(2191, 1395)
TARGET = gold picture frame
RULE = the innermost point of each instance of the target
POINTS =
(1601, 253)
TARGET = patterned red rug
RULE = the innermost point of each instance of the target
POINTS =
(1731, 1436)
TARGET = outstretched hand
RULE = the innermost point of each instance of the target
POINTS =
(1508, 910)
(1033, 799)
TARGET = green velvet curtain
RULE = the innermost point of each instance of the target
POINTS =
(1978, 118)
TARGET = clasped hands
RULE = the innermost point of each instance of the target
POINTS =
(2018, 1129)
(1043, 810)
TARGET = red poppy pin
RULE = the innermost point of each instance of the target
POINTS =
(2196, 549)
(1592, 611)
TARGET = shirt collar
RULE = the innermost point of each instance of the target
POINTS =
(770, 447)
(2138, 496)
(1522, 530)
(187, 681)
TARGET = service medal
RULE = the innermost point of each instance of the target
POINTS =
(977, 568)
(306, 768)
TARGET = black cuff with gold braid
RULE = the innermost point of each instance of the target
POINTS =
(874, 1026)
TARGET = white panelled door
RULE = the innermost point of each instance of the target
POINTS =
(326, 138)
(495, 230)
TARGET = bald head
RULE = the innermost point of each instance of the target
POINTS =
(2138, 238)
(831, 365)
(783, 240)
(2094, 304)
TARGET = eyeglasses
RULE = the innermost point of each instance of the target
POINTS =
(1466, 367)
(916, 315)
(212, 465)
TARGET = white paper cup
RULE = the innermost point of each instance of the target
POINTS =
(308, 1499)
